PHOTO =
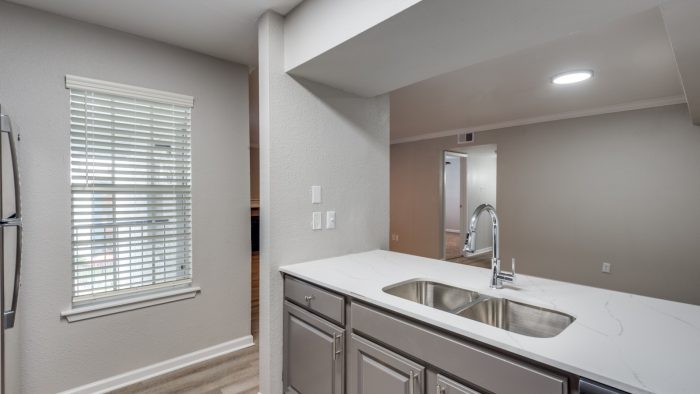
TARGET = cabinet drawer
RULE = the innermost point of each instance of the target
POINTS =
(439, 384)
(482, 367)
(315, 299)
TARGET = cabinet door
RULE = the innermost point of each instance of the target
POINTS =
(375, 370)
(440, 384)
(492, 371)
(313, 353)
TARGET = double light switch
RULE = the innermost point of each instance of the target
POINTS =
(316, 218)
(316, 221)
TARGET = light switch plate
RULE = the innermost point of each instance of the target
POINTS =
(330, 220)
(316, 221)
(315, 194)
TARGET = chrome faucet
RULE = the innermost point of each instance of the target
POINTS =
(497, 277)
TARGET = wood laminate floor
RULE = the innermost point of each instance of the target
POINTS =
(255, 295)
(453, 245)
(235, 373)
(481, 260)
(453, 251)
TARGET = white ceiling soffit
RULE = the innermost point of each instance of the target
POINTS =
(683, 26)
(633, 67)
(433, 37)
(226, 29)
(319, 25)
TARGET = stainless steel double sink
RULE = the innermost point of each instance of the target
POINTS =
(498, 312)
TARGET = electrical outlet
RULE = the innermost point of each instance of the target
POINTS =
(330, 220)
(606, 268)
(395, 237)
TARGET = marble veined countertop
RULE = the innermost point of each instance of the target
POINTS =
(634, 343)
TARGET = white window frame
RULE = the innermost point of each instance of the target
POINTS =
(108, 302)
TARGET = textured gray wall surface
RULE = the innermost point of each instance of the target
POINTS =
(311, 134)
(37, 50)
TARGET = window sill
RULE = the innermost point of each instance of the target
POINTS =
(128, 304)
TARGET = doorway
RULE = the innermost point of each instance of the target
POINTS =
(469, 180)
(454, 200)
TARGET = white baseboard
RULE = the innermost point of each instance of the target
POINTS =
(153, 370)
(451, 230)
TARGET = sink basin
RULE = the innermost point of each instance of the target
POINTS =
(498, 312)
(517, 317)
(436, 295)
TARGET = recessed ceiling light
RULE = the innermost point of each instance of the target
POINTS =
(572, 77)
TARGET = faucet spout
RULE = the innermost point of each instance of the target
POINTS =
(497, 277)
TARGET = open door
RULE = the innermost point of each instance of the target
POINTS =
(469, 180)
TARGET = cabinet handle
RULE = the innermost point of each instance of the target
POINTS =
(336, 352)
(439, 389)
(308, 300)
(411, 383)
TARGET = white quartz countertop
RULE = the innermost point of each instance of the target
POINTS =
(634, 343)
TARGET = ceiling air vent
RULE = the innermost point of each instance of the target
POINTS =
(465, 138)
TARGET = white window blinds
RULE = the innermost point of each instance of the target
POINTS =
(130, 184)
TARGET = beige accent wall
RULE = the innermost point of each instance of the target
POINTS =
(254, 174)
(622, 188)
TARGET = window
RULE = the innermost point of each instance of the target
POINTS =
(131, 189)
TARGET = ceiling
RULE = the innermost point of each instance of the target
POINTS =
(225, 29)
(681, 20)
(633, 66)
(433, 37)
(502, 64)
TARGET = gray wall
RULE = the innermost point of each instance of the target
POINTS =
(622, 188)
(253, 103)
(36, 51)
(452, 193)
(313, 135)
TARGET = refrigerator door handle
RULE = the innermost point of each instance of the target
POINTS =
(15, 220)
(9, 316)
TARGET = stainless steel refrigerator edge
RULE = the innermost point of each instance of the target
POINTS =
(10, 256)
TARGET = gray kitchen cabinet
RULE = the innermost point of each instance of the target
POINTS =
(440, 384)
(481, 367)
(389, 353)
(376, 370)
(319, 301)
(313, 353)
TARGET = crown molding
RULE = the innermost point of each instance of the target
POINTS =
(635, 105)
